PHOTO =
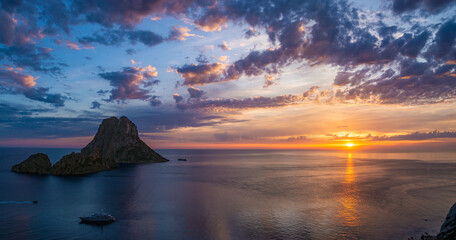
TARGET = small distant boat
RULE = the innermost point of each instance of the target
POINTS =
(181, 159)
(98, 218)
(34, 201)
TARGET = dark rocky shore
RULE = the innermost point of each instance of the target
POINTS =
(447, 230)
(116, 141)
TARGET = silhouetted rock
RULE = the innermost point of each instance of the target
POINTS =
(36, 164)
(116, 141)
(79, 164)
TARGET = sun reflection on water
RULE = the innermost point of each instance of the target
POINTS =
(348, 214)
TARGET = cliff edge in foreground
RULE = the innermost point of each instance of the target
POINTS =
(448, 228)
(116, 141)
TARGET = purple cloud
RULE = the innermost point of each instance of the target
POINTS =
(195, 92)
(13, 81)
(127, 83)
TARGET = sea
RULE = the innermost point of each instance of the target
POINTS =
(235, 194)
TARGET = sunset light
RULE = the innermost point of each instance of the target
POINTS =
(299, 119)
(349, 144)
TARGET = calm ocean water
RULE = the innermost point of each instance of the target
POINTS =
(235, 194)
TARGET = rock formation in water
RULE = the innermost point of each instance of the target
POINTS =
(79, 164)
(117, 141)
(36, 164)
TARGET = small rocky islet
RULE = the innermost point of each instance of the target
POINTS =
(116, 141)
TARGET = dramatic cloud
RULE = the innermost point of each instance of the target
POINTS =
(12, 81)
(212, 21)
(376, 61)
(329, 32)
(195, 92)
(200, 74)
(127, 83)
(13, 78)
(444, 44)
(180, 33)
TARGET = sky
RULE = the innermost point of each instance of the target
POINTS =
(367, 75)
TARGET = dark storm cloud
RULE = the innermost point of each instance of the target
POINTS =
(127, 83)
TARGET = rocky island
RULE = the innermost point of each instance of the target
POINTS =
(116, 141)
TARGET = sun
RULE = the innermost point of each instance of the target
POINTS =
(349, 144)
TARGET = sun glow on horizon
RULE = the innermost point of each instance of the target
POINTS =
(349, 144)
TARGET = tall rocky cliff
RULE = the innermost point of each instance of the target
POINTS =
(116, 141)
